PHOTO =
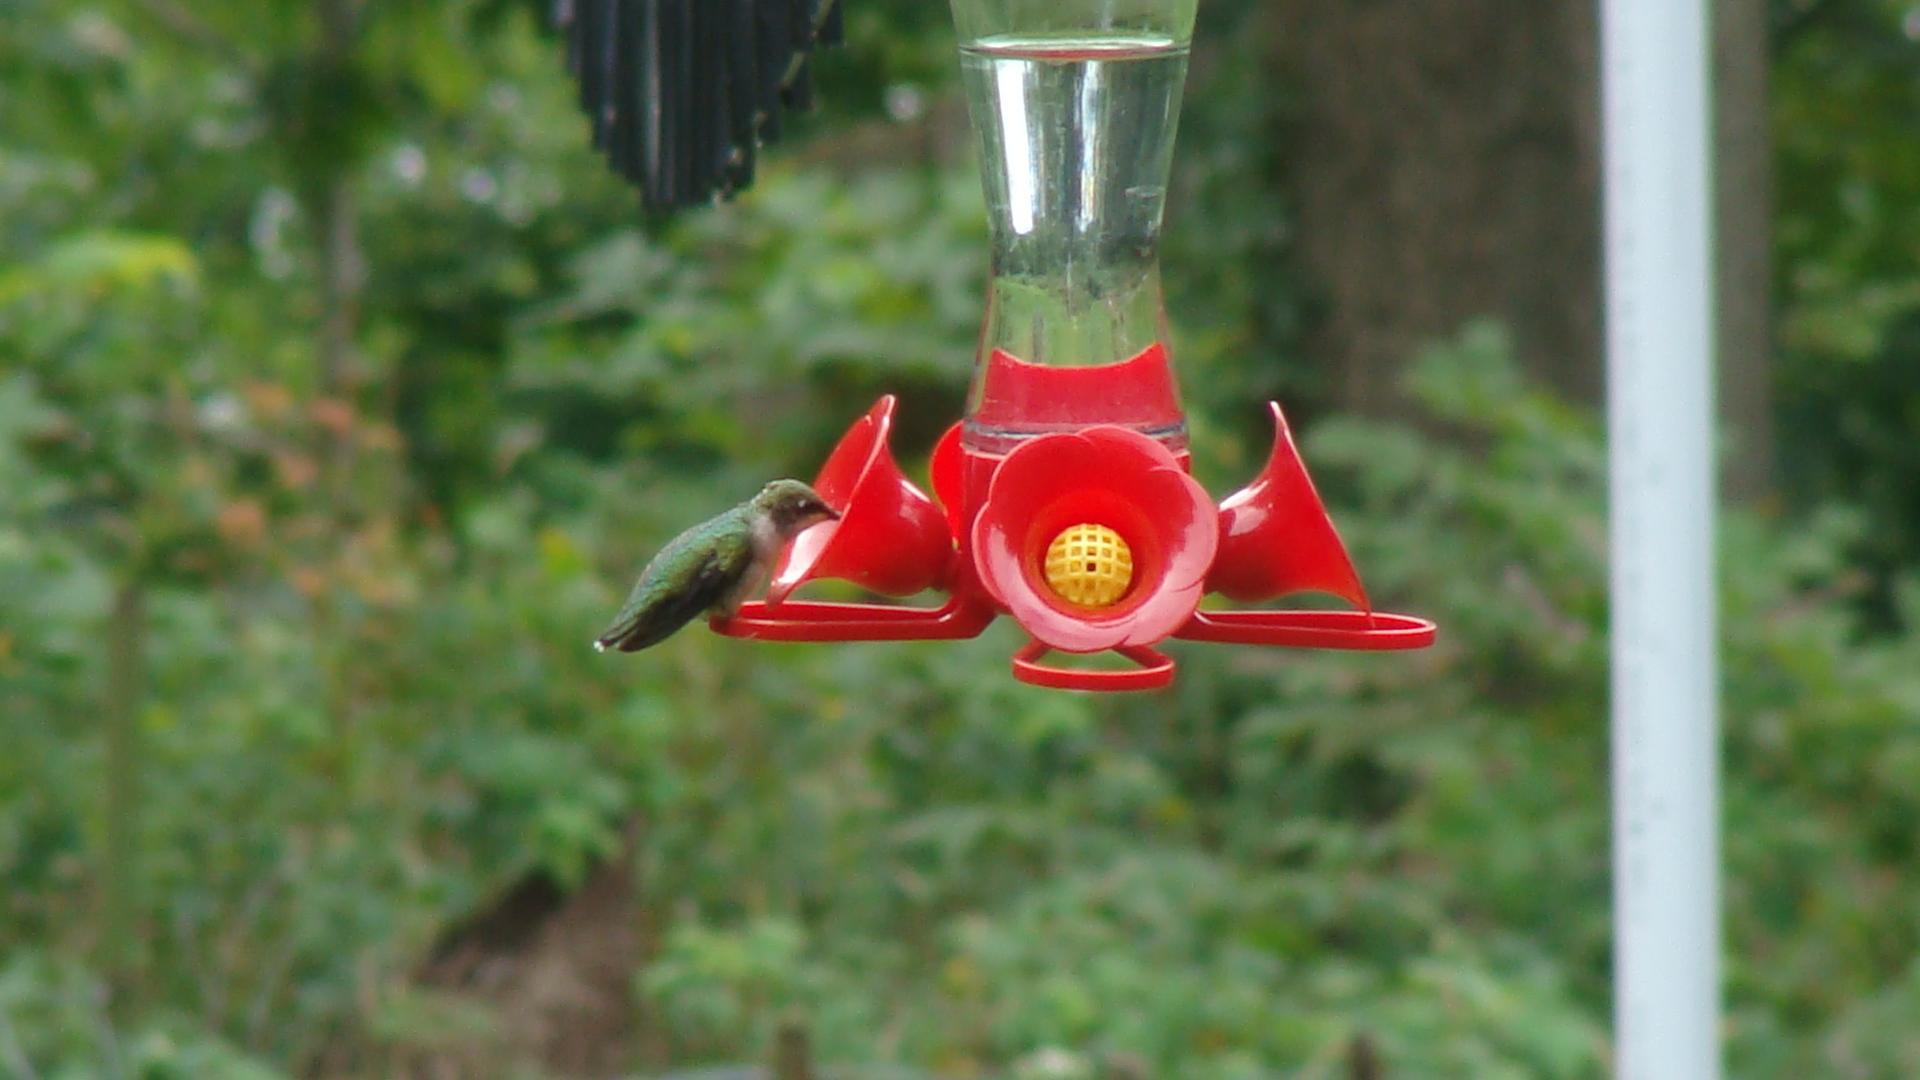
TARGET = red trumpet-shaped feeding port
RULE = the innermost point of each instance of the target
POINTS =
(1095, 540)
(949, 472)
(890, 537)
(1276, 537)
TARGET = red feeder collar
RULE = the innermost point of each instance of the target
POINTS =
(1137, 392)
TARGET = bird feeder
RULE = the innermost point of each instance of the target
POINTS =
(1063, 498)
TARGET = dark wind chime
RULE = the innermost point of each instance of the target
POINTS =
(681, 93)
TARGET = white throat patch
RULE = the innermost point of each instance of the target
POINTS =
(766, 538)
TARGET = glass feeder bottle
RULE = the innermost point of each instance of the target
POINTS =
(1075, 104)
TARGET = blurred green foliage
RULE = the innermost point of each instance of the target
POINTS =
(1847, 228)
(365, 704)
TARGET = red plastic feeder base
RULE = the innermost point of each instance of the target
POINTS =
(811, 620)
(986, 539)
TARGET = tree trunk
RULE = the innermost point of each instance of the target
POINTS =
(1446, 167)
(1743, 154)
(342, 275)
(343, 269)
(119, 877)
(1363, 1059)
(340, 300)
(792, 1052)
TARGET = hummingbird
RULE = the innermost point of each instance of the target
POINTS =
(714, 566)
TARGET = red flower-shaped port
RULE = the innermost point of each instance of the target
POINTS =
(1112, 479)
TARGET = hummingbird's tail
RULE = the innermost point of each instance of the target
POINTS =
(643, 629)
(624, 636)
(624, 639)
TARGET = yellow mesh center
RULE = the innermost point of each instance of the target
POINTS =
(1089, 565)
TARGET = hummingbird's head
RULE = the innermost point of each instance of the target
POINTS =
(792, 507)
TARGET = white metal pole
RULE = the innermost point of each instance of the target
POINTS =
(1656, 71)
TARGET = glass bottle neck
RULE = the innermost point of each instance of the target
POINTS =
(1076, 140)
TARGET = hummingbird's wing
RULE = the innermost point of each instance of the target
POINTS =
(693, 574)
(682, 92)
